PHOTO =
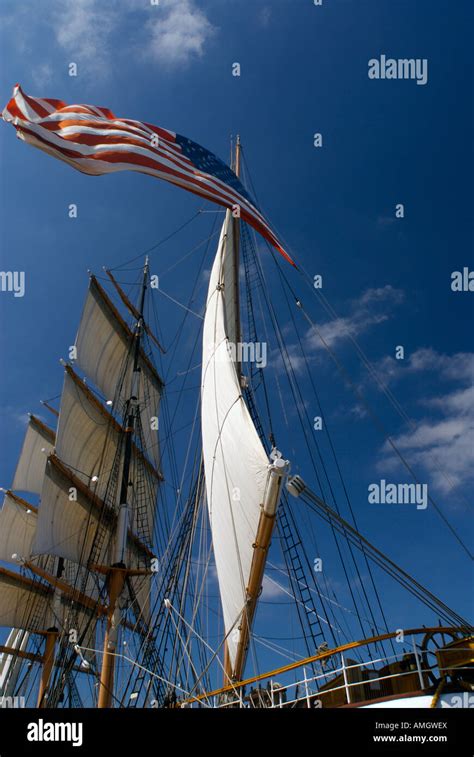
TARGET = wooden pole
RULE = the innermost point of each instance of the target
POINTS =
(118, 571)
(106, 684)
(236, 268)
(48, 662)
(262, 543)
(235, 160)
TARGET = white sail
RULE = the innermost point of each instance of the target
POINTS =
(104, 354)
(235, 462)
(24, 603)
(10, 664)
(17, 528)
(37, 445)
(31, 606)
(67, 523)
(88, 439)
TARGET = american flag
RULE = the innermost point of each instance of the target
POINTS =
(93, 140)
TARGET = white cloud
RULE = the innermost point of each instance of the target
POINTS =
(373, 307)
(179, 35)
(458, 367)
(442, 447)
(83, 30)
(272, 589)
(95, 33)
(363, 316)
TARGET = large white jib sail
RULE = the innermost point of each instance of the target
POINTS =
(237, 468)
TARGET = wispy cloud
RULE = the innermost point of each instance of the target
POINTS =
(94, 34)
(83, 29)
(443, 445)
(42, 74)
(458, 367)
(272, 589)
(264, 16)
(374, 306)
(179, 35)
(14, 415)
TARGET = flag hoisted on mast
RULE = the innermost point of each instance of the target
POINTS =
(94, 141)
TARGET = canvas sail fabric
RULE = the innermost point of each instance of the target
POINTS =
(32, 606)
(10, 665)
(104, 354)
(67, 528)
(73, 616)
(87, 443)
(141, 586)
(24, 603)
(235, 462)
(37, 445)
(17, 529)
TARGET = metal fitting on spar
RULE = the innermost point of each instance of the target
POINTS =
(277, 471)
(295, 486)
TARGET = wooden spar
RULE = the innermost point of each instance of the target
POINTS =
(20, 653)
(238, 336)
(133, 309)
(43, 429)
(106, 684)
(50, 408)
(276, 474)
(236, 268)
(20, 501)
(65, 588)
(262, 543)
(48, 662)
(314, 658)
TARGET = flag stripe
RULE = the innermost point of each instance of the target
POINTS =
(93, 140)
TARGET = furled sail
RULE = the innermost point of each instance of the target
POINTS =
(235, 462)
(104, 353)
(38, 443)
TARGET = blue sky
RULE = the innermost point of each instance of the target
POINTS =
(303, 70)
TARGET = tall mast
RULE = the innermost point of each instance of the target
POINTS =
(236, 268)
(235, 250)
(118, 572)
(277, 470)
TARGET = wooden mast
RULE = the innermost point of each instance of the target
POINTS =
(235, 160)
(48, 662)
(277, 471)
(118, 572)
(236, 267)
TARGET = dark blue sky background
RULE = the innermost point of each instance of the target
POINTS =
(303, 70)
